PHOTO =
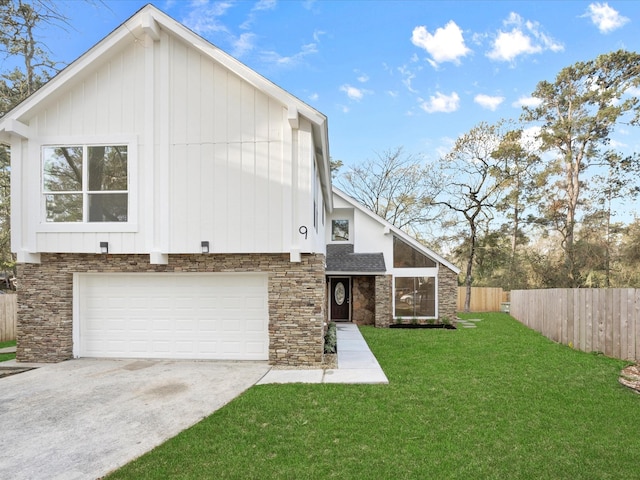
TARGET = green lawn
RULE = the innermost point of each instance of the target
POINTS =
(7, 356)
(495, 402)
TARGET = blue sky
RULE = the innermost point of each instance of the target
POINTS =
(415, 74)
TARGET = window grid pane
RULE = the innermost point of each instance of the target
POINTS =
(85, 183)
(63, 207)
(62, 169)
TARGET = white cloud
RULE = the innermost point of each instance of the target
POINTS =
(530, 139)
(363, 78)
(260, 6)
(441, 103)
(277, 59)
(508, 45)
(617, 145)
(317, 34)
(524, 38)
(243, 44)
(633, 91)
(445, 45)
(488, 102)
(407, 78)
(314, 96)
(265, 5)
(527, 102)
(354, 93)
(604, 17)
(204, 17)
(446, 144)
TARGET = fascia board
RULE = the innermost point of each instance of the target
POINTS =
(395, 230)
(127, 29)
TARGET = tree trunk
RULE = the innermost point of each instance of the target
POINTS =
(573, 194)
(468, 276)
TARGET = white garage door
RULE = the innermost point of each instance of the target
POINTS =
(190, 316)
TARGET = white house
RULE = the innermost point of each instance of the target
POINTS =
(170, 202)
(377, 274)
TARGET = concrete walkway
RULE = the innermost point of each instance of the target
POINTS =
(356, 364)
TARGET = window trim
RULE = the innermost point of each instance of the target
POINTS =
(429, 274)
(414, 250)
(343, 241)
(131, 225)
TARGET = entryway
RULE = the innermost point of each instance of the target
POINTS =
(340, 293)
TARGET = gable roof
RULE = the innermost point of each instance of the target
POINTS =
(341, 259)
(149, 20)
(390, 228)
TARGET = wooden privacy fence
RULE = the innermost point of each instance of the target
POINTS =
(483, 299)
(8, 317)
(588, 319)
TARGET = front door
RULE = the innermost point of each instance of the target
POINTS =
(340, 291)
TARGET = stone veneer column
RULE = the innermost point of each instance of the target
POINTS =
(363, 300)
(383, 301)
(447, 294)
(297, 300)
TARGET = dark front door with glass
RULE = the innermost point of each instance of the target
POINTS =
(340, 290)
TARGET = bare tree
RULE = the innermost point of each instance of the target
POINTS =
(395, 186)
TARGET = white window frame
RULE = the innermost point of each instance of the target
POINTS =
(341, 219)
(414, 273)
(131, 225)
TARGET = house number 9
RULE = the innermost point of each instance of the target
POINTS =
(303, 231)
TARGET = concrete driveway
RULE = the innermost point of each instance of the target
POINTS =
(83, 418)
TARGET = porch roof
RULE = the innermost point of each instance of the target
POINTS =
(342, 260)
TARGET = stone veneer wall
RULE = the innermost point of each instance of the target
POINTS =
(297, 300)
(384, 315)
(447, 294)
(363, 300)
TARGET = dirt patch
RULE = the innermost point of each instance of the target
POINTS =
(630, 377)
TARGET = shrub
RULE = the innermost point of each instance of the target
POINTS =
(331, 339)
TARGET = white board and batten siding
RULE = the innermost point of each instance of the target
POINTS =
(179, 316)
(212, 157)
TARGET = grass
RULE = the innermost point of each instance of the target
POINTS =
(7, 356)
(495, 402)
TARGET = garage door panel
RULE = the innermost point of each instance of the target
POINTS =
(208, 316)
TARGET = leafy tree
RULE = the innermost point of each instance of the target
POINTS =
(616, 182)
(472, 183)
(335, 165)
(628, 269)
(577, 114)
(19, 23)
(520, 164)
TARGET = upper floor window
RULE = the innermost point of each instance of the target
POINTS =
(339, 230)
(85, 183)
(405, 256)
